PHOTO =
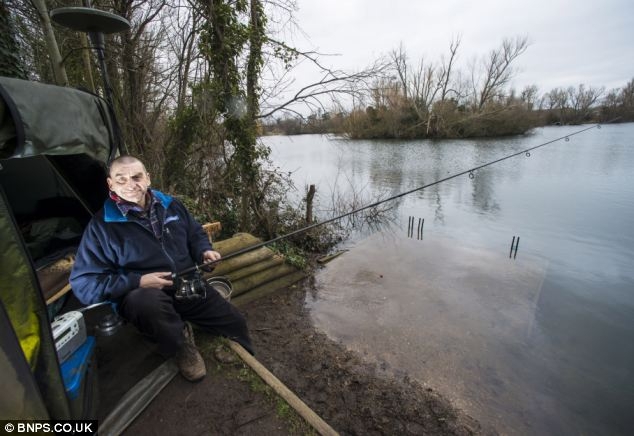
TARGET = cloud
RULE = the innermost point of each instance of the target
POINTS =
(571, 40)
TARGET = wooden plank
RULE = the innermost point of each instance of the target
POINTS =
(59, 294)
(321, 426)
(212, 229)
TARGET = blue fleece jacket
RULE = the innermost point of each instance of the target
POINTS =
(115, 250)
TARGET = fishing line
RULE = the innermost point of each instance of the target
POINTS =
(470, 172)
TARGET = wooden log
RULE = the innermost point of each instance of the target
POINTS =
(240, 273)
(268, 288)
(328, 258)
(238, 242)
(247, 283)
(259, 269)
(226, 267)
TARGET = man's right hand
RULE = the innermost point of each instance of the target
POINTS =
(156, 280)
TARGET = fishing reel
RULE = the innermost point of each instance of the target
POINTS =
(191, 286)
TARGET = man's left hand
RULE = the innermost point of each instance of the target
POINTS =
(211, 256)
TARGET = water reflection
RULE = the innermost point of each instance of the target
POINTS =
(438, 213)
(483, 192)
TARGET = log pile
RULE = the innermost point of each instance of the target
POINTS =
(253, 274)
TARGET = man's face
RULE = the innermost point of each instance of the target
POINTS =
(129, 181)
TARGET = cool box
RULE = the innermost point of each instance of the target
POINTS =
(69, 333)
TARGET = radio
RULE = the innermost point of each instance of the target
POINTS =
(69, 333)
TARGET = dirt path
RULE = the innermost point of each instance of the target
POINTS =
(353, 397)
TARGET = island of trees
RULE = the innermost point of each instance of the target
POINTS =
(436, 100)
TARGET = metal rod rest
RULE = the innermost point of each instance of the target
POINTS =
(517, 244)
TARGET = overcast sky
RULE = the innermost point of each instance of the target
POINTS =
(571, 42)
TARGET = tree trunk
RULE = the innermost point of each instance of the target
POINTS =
(86, 60)
(254, 65)
(51, 43)
(256, 36)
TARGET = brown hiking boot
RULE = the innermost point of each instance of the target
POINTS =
(190, 363)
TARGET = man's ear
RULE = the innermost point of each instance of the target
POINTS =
(109, 181)
(149, 181)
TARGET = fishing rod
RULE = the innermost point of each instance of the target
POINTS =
(470, 172)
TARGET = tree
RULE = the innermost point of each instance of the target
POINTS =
(214, 154)
(10, 60)
(225, 36)
(582, 100)
(627, 95)
(36, 41)
(556, 103)
(497, 70)
(424, 87)
(626, 100)
(570, 105)
(141, 84)
(444, 75)
(399, 60)
(528, 96)
(182, 40)
(332, 84)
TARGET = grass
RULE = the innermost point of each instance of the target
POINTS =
(242, 372)
(284, 411)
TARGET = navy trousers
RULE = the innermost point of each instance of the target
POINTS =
(156, 313)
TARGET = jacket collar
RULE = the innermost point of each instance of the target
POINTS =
(112, 214)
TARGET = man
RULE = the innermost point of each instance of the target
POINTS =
(127, 254)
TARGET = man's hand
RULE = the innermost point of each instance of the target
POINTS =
(155, 280)
(211, 256)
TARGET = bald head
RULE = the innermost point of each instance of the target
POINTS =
(124, 160)
(129, 179)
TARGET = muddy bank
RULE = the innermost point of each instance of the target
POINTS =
(230, 400)
(352, 396)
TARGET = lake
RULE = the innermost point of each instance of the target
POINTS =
(538, 341)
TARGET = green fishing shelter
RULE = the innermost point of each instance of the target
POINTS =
(55, 143)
